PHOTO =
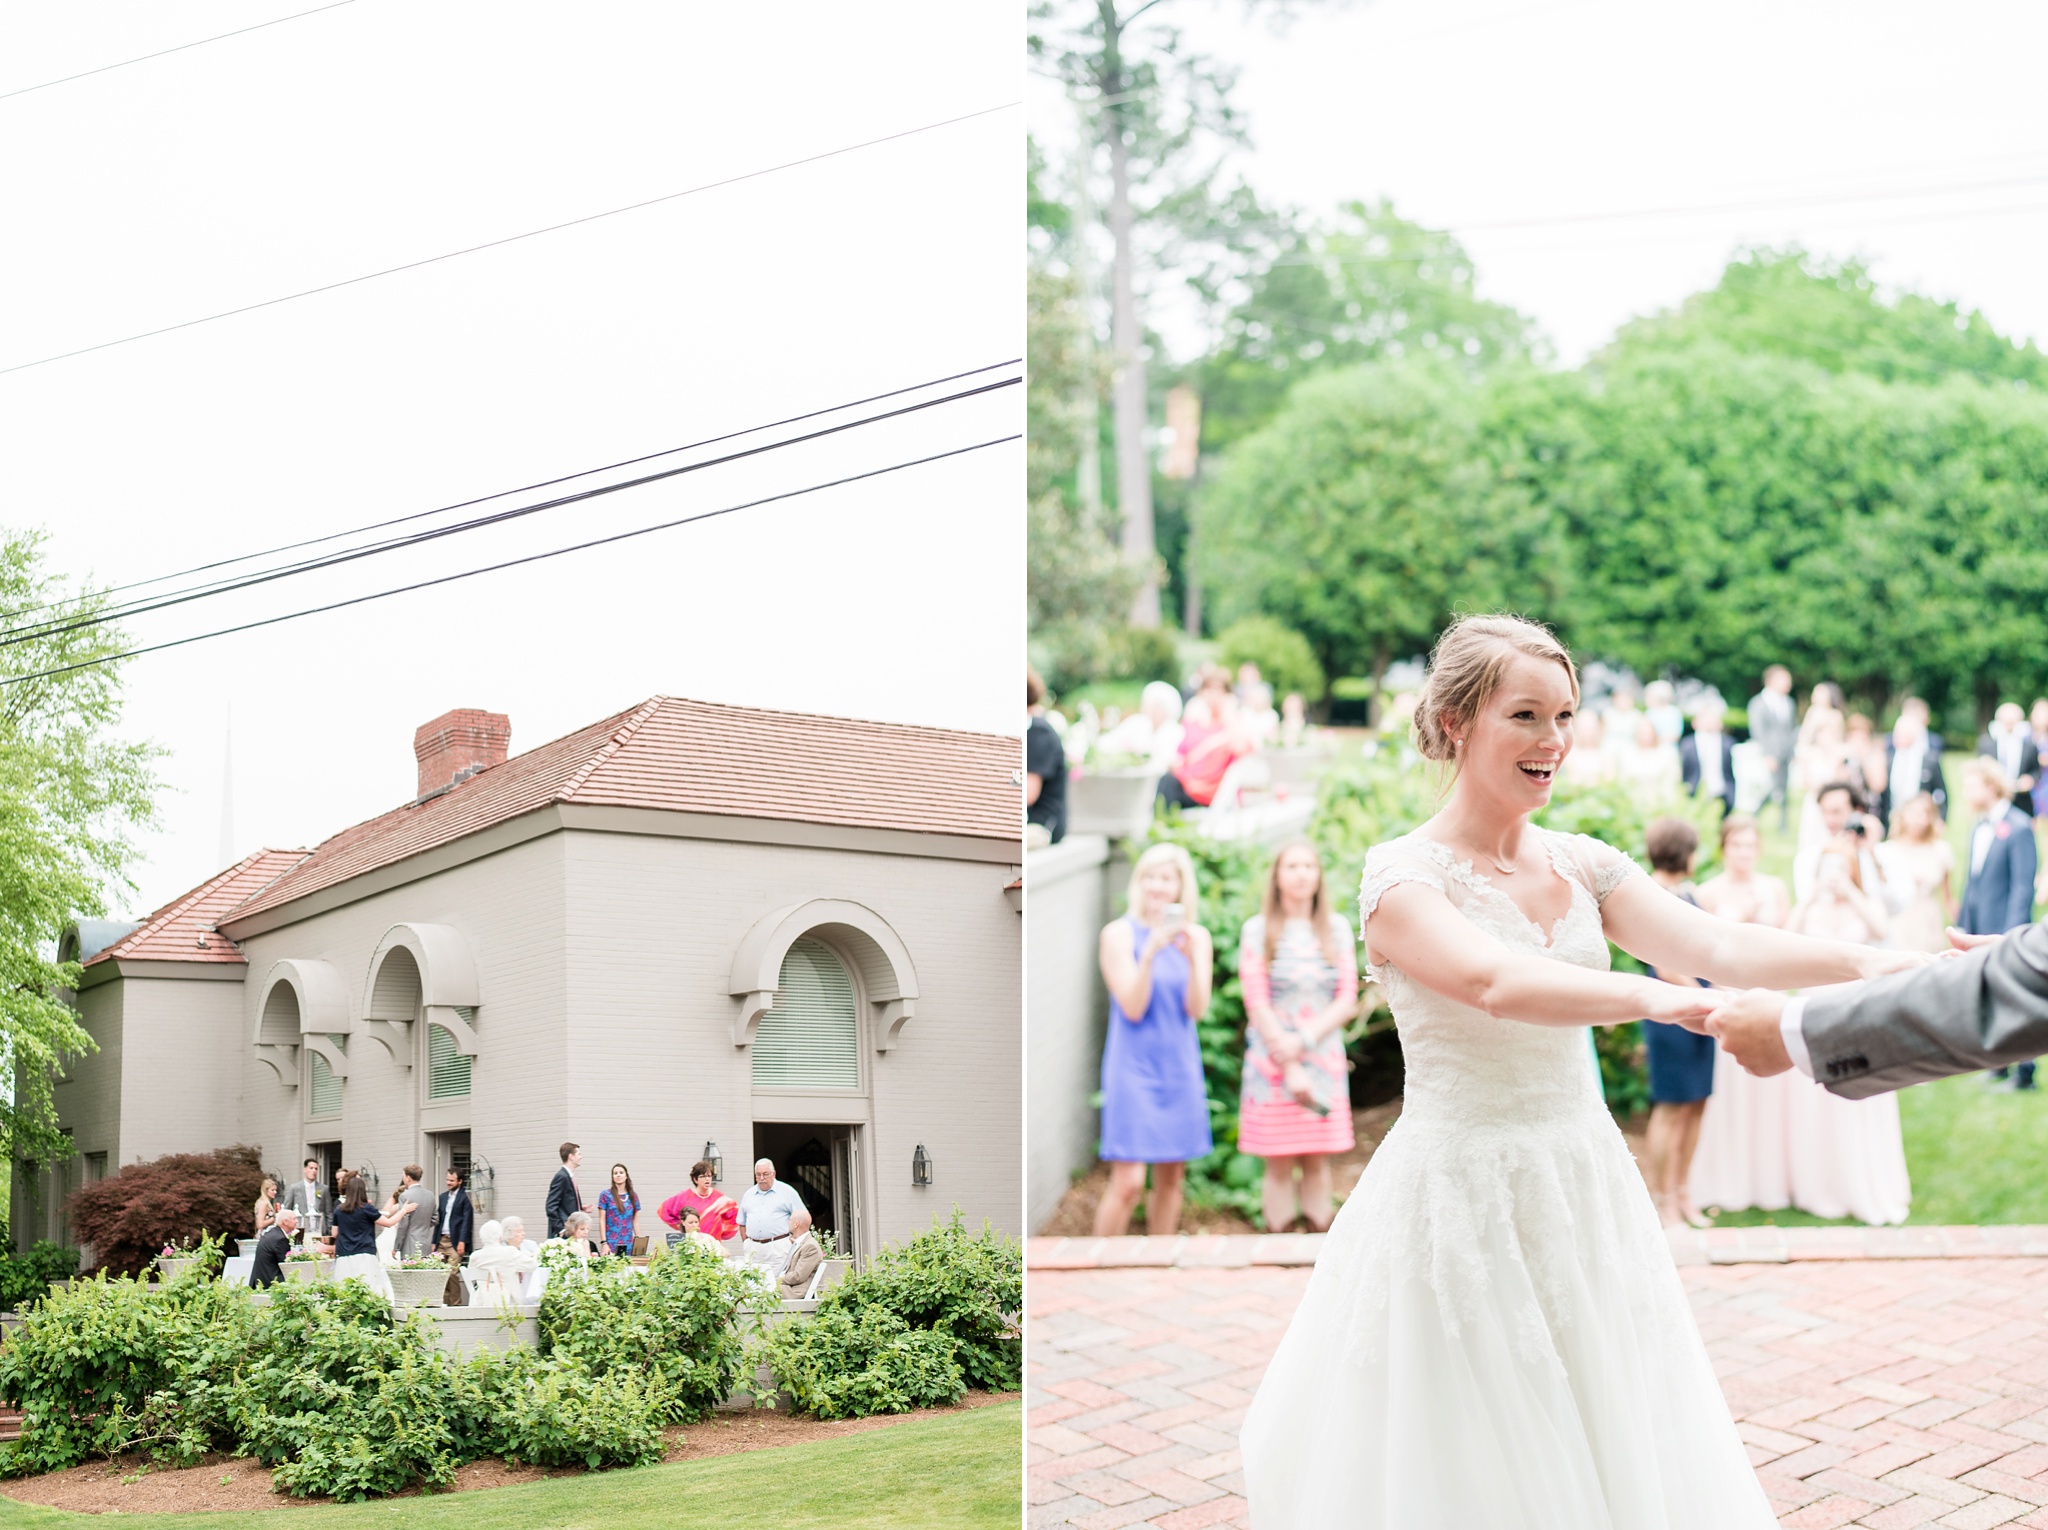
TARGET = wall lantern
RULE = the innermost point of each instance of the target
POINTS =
(370, 1180)
(711, 1156)
(483, 1186)
(921, 1168)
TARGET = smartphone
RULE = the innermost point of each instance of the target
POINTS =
(1176, 913)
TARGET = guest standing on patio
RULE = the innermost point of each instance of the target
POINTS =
(563, 1196)
(1158, 963)
(266, 1206)
(267, 1269)
(765, 1213)
(619, 1204)
(1299, 976)
(454, 1215)
(355, 1236)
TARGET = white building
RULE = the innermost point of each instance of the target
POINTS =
(687, 924)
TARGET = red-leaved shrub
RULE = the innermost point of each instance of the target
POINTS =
(130, 1216)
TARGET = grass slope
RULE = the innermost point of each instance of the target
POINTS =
(961, 1471)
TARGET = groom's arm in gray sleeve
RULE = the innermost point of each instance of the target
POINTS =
(1958, 1015)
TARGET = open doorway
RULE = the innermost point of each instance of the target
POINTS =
(445, 1151)
(822, 1164)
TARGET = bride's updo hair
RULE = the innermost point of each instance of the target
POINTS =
(1467, 667)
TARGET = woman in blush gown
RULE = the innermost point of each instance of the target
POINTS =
(1770, 1143)
(1916, 856)
(1495, 1334)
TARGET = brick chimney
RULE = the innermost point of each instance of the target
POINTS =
(458, 744)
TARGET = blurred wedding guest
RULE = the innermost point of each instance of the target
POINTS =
(1774, 728)
(1838, 809)
(1298, 972)
(2010, 742)
(1157, 962)
(1660, 705)
(1912, 762)
(1589, 763)
(1706, 758)
(1213, 738)
(271, 1248)
(1622, 717)
(693, 1232)
(1252, 691)
(515, 1237)
(1863, 757)
(1819, 759)
(1045, 764)
(501, 1267)
(1916, 856)
(1739, 892)
(1649, 767)
(1681, 1062)
(1293, 720)
(1785, 1141)
(2037, 724)
(266, 1205)
(1153, 730)
(1998, 893)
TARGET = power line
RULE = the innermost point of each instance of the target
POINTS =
(546, 483)
(492, 568)
(492, 244)
(59, 627)
(167, 52)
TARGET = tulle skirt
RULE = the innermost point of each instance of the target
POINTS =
(1495, 1338)
(367, 1268)
(1785, 1141)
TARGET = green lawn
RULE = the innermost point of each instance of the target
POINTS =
(963, 1470)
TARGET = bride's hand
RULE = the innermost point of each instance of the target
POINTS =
(1689, 1007)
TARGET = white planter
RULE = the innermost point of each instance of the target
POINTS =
(309, 1271)
(1117, 803)
(417, 1288)
(246, 1247)
(171, 1269)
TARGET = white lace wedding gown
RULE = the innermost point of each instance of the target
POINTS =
(1495, 1337)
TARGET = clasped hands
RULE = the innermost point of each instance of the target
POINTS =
(1749, 1022)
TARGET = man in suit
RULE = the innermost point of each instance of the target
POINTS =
(271, 1248)
(416, 1232)
(2010, 742)
(1999, 892)
(563, 1197)
(307, 1195)
(804, 1258)
(1912, 762)
(1987, 1009)
(1774, 729)
(454, 1216)
(1706, 760)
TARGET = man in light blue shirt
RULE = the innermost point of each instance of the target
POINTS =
(765, 1211)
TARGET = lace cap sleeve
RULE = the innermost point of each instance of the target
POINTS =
(1387, 866)
(1603, 867)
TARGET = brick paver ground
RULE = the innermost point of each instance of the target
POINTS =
(1886, 1393)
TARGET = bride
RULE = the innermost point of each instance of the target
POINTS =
(1495, 1334)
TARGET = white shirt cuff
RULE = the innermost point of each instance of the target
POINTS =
(1795, 1038)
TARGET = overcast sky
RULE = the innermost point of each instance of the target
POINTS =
(380, 132)
(1914, 135)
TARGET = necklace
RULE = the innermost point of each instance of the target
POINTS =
(1506, 871)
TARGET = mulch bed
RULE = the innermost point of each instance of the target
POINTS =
(1075, 1216)
(238, 1484)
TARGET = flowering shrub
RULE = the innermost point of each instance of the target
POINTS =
(169, 1201)
(676, 1323)
(25, 1277)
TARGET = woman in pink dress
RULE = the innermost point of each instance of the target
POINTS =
(1299, 976)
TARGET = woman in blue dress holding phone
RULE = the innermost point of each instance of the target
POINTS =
(1157, 962)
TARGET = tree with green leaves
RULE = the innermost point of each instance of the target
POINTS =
(1368, 512)
(72, 798)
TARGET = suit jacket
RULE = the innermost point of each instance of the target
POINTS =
(1984, 1010)
(416, 1232)
(2030, 765)
(1999, 896)
(271, 1248)
(1689, 768)
(563, 1202)
(1931, 780)
(1773, 723)
(461, 1225)
(307, 1200)
(804, 1259)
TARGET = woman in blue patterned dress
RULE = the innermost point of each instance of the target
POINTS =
(1156, 962)
(620, 1205)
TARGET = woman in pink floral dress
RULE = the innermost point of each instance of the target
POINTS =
(1299, 976)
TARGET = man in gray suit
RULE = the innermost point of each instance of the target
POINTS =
(416, 1232)
(1984, 1006)
(1774, 728)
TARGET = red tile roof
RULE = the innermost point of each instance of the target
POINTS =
(701, 757)
(183, 929)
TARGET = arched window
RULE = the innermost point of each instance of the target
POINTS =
(811, 1038)
(324, 1087)
(447, 1069)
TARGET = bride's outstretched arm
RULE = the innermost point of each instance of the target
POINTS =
(1664, 931)
(1419, 930)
